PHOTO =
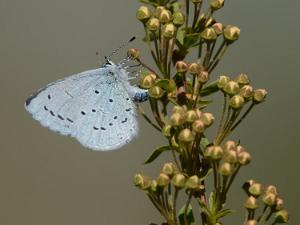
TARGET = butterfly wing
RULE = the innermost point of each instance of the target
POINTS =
(93, 106)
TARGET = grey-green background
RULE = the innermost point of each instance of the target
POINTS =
(47, 179)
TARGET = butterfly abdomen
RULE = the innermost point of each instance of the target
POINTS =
(141, 96)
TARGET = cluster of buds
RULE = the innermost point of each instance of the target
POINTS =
(195, 69)
(270, 199)
(240, 91)
(230, 155)
(161, 18)
(186, 124)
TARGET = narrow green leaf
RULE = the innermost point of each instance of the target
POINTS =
(167, 85)
(223, 213)
(157, 153)
(204, 143)
(210, 89)
(203, 103)
(189, 216)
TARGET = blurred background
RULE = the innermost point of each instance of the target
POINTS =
(52, 180)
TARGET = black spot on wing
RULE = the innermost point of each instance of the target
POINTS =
(115, 117)
(49, 96)
(127, 110)
(103, 128)
(96, 128)
(110, 100)
(45, 107)
(60, 117)
(93, 110)
(124, 121)
(52, 113)
(71, 121)
(96, 91)
(83, 113)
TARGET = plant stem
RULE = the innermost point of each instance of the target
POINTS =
(140, 109)
(232, 179)
(243, 116)
(222, 119)
(217, 60)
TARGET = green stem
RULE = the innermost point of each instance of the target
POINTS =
(156, 113)
(222, 118)
(232, 179)
(243, 116)
(142, 112)
(174, 205)
(261, 218)
(186, 207)
(187, 12)
(217, 60)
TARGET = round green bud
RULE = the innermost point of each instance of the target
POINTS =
(167, 130)
(165, 16)
(198, 126)
(244, 158)
(279, 204)
(178, 19)
(231, 33)
(207, 119)
(246, 91)
(143, 14)
(162, 180)
(158, 11)
(177, 119)
(223, 80)
(240, 149)
(251, 222)
(178, 180)
(153, 24)
(232, 88)
(193, 182)
(133, 53)
(271, 189)
(218, 27)
(256, 189)
(226, 169)
(216, 152)
(247, 185)
(251, 203)
(142, 181)
(242, 79)
(186, 136)
(179, 109)
(156, 92)
(269, 199)
(153, 186)
(181, 66)
(281, 216)
(231, 156)
(209, 34)
(216, 4)
(147, 82)
(236, 102)
(229, 145)
(191, 116)
(169, 30)
(168, 168)
(203, 77)
(194, 68)
(259, 95)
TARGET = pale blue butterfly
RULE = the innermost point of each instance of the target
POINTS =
(97, 107)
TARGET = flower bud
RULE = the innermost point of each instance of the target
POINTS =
(193, 182)
(226, 169)
(203, 77)
(244, 158)
(162, 180)
(174, 143)
(231, 33)
(281, 216)
(223, 80)
(186, 136)
(218, 27)
(143, 14)
(198, 126)
(251, 222)
(153, 24)
(259, 95)
(165, 16)
(216, 152)
(207, 119)
(153, 186)
(191, 116)
(209, 34)
(216, 4)
(168, 168)
(240, 149)
(177, 119)
(242, 79)
(179, 109)
(178, 19)
(269, 199)
(231, 156)
(169, 30)
(279, 204)
(167, 130)
(158, 11)
(251, 203)
(142, 181)
(246, 91)
(256, 189)
(147, 82)
(181, 66)
(178, 180)
(247, 185)
(194, 68)
(271, 189)
(237, 102)
(232, 88)
(229, 145)
(156, 92)
(133, 53)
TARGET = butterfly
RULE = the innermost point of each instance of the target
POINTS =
(97, 107)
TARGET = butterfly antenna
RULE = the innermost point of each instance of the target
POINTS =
(120, 47)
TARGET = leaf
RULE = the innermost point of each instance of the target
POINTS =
(210, 89)
(211, 201)
(167, 85)
(223, 213)
(180, 37)
(157, 153)
(204, 143)
(203, 103)
(189, 216)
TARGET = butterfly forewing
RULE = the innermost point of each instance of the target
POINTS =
(93, 106)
